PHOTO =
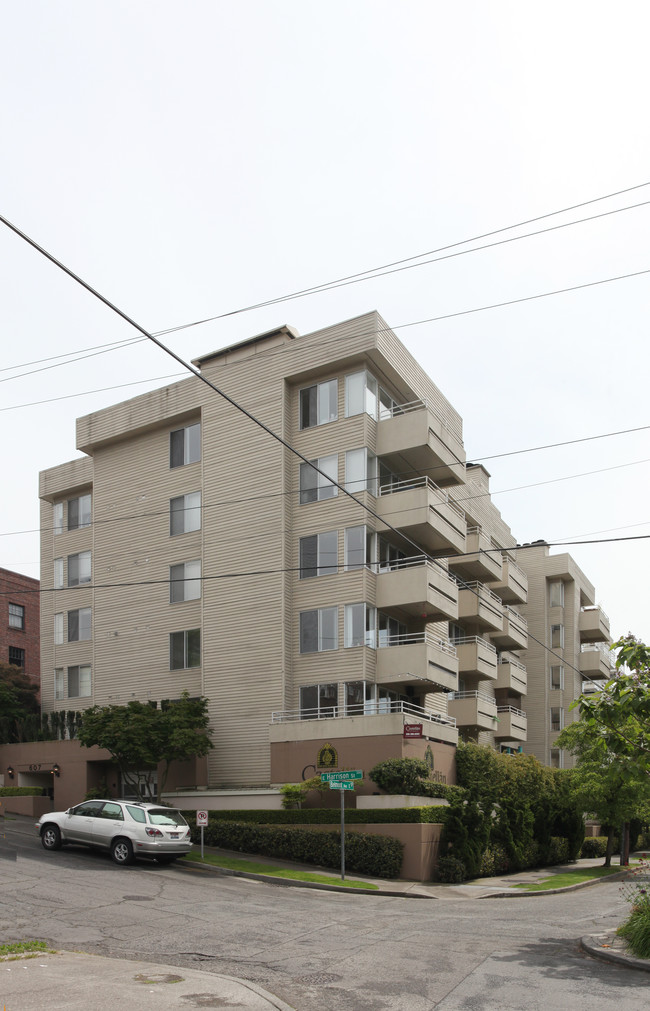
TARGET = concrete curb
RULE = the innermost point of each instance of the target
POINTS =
(509, 893)
(598, 946)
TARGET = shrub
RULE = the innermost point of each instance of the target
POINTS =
(451, 871)
(636, 929)
(401, 775)
(594, 846)
(328, 816)
(21, 791)
(376, 855)
(559, 851)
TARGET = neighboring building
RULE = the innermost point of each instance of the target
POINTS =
(20, 629)
(568, 649)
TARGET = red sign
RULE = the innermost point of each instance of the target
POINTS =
(412, 730)
(201, 818)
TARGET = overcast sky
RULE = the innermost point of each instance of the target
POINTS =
(193, 159)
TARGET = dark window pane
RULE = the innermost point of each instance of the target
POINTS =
(328, 553)
(309, 407)
(194, 647)
(73, 626)
(308, 557)
(176, 448)
(176, 584)
(177, 650)
(309, 632)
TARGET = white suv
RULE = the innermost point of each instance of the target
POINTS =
(127, 828)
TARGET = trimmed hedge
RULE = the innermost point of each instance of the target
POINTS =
(376, 855)
(329, 816)
(594, 846)
(21, 791)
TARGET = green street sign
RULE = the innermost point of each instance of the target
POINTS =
(341, 784)
(332, 777)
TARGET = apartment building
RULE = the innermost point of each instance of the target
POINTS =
(568, 651)
(20, 631)
(189, 549)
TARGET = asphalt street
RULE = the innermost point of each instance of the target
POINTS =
(320, 951)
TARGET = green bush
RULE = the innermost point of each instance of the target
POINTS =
(330, 816)
(559, 851)
(594, 846)
(375, 855)
(636, 931)
(451, 871)
(21, 791)
(401, 775)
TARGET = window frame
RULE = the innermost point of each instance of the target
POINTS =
(80, 559)
(320, 410)
(304, 632)
(57, 579)
(189, 514)
(353, 636)
(83, 673)
(59, 684)
(81, 517)
(181, 584)
(57, 518)
(322, 489)
(320, 555)
(18, 654)
(559, 721)
(560, 686)
(556, 589)
(189, 445)
(190, 649)
(325, 708)
(80, 621)
(560, 636)
(16, 618)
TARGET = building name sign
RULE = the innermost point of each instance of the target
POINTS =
(412, 730)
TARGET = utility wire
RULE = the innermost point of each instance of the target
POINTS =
(68, 354)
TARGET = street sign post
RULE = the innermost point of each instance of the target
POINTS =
(342, 781)
(202, 821)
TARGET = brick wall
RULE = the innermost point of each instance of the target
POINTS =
(23, 591)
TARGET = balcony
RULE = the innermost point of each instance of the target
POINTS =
(473, 709)
(416, 437)
(593, 625)
(477, 657)
(511, 675)
(596, 662)
(419, 587)
(514, 634)
(512, 725)
(419, 659)
(370, 719)
(425, 513)
(478, 562)
(512, 587)
(480, 606)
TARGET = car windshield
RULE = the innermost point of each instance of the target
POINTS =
(165, 816)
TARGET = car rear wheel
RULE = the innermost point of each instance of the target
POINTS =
(122, 851)
(51, 837)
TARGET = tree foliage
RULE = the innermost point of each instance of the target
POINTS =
(19, 707)
(141, 737)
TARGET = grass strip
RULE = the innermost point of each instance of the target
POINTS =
(254, 867)
(567, 878)
(22, 948)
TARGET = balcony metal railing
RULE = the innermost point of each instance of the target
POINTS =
(482, 592)
(515, 616)
(386, 413)
(413, 638)
(422, 482)
(414, 561)
(377, 707)
(513, 663)
(479, 696)
(475, 640)
(511, 709)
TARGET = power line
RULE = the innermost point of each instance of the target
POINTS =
(68, 354)
(87, 393)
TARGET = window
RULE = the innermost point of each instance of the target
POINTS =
(360, 394)
(359, 542)
(313, 486)
(57, 517)
(355, 697)
(318, 701)
(58, 573)
(79, 512)
(557, 678)
(557, 636)
(319, 404)
(79, 568)
(557, 758)
(388, 406)
(185, 513)
(318, 630)
(184, 582)
(16, 616)
(58, 683)
(360, 623)
(556, 593)
(389, 556)
(319, 554)
(391, 631)
(58, 628)
(79, 682)
(79, 624)
(185, 446)
(557, 718)
(185, 649)
(361, 471)
(16, 656)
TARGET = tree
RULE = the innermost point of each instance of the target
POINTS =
(19, 706)
(621, 711)
(140, 737)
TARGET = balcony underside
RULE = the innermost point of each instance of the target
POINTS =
(511, 727)
(424, 591)
(514, 635)
(512, 587)
(423, 516)
(475, 605)
(418, 441)
(479, 714)
(593, 625)
(419, 665)
(512, 677)
(477, 659)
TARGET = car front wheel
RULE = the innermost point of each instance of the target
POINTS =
(51, 837)
(122, 851)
